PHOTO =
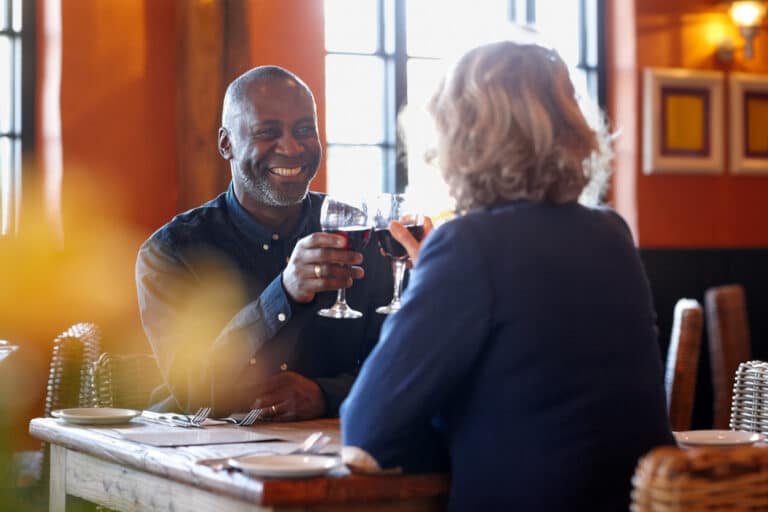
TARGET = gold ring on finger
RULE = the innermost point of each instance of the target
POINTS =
(318, 271)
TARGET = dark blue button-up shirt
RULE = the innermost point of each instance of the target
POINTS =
(219, 321)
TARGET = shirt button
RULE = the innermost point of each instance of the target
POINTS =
(281, 317)
(252, 361)
(275, 236)
(265, 247)
(284, 366)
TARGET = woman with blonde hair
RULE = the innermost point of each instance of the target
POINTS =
(524, 357)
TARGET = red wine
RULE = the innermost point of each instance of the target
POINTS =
(392, 247)
(357, 237)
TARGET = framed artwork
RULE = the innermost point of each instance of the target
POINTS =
(749, 123)
(682, 121)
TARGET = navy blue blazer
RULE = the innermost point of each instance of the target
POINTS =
(525, 357)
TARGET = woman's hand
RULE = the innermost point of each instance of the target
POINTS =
(412, 246)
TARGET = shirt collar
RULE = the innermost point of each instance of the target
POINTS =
(258, 232)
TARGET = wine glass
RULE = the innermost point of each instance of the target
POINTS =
(396, 207)
(349, 219)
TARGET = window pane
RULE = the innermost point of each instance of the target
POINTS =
(354, 99)
(6, 173)
(6, 79)
(558, 22)
(436, 28)
(17, 15)
(579, 79)
(355, 171)
(16, 85)
(351, 26)
(4, 14)
(423, 77)
(592, 84)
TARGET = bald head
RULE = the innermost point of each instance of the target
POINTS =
(240, 88)
(269, 136)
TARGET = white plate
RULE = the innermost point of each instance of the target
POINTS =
(715, 438)
(286, 466)
(95, 415)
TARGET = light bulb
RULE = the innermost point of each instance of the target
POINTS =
(747, 14)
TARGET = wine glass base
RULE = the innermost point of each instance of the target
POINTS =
(393, 307)
(340, 311)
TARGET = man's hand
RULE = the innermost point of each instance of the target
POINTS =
(320, 263)
(288, 396)
(406, 239)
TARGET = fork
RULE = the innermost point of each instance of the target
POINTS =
(200, 416)
(178, 420)
(196, 420)
(250, 418)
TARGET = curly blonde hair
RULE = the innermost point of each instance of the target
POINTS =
(509, 127)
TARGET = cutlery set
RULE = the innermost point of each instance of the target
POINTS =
(312, 445)
(178, 420)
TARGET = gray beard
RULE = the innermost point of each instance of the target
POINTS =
(259, 187)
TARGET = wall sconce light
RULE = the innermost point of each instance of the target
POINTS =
(747, 15)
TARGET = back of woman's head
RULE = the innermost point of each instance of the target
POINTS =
(509, 127)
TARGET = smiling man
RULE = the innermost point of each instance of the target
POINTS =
(228, 292)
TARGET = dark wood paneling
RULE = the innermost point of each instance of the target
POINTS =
(677, 273)
(212, 49)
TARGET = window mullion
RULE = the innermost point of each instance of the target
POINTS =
(399, 181)
(602, 84)
(583, 35)
(530, 12)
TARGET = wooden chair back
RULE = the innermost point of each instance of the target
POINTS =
(729, 344)
(683, 362)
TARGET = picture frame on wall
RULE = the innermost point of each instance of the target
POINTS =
(682, 121)
(748, 104)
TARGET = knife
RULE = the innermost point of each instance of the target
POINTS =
(176, 420)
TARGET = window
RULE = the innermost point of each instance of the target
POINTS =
(14, 17)
(384, 53)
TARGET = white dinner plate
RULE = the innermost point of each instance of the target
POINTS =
(95, 415)
(716, 438)
(286, 466)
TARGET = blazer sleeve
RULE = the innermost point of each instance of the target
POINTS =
(425, 353)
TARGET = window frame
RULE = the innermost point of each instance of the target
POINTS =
(396, 76)
(23, 92)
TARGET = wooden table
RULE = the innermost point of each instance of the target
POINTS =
(97, 464)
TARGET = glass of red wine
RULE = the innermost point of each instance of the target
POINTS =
(396, 207)
(349, 219)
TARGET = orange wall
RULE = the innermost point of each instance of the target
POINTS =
(118, 93)
(291, 34)
(117, 104)
(694, 211)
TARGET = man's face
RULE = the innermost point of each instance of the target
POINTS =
(275, 146)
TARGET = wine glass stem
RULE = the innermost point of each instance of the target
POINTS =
(398, 272)
(341, 296)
